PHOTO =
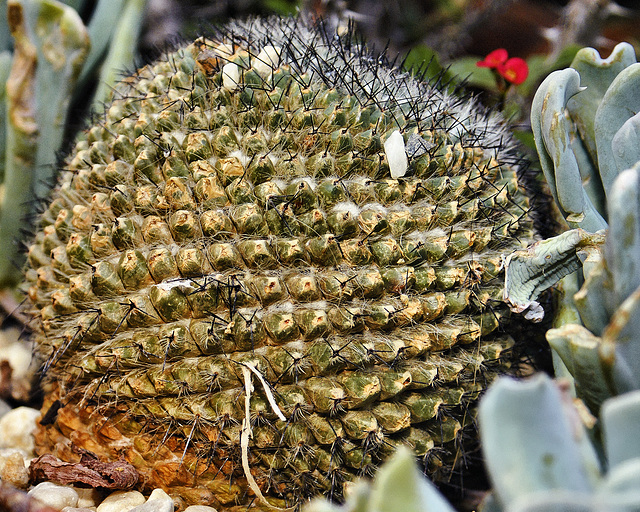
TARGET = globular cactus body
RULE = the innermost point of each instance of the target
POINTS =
(274, 230)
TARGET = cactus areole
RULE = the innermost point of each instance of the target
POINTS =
(273, 259)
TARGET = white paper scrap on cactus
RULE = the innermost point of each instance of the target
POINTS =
(267, 59)
(230, 76)
(396, 155)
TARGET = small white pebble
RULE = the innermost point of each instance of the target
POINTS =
(78, 509)
(121, 501)
(87, 498)
(267, 60)
(396, 155)
(199, 508)
(16, 429)
(56, 496)
(18, 354)
(4, 408)
(230, 76)
(13, 469)
(159, 501)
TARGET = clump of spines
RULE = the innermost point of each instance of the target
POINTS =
(235, 206)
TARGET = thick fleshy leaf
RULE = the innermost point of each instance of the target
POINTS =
(622, 338)
(558, 500)
(122, 48)
(621, 425)
(579, 349)
(50, 46)
(596, 74)
(624, 476)
(399, 486)
(5, 67)
(595, 300)
(553, 134)
(620, 103)
(626, 149)
(533, 440)
(622, 250)
(531, 271)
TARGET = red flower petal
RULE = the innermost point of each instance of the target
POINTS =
(515, 70)
(494, 59)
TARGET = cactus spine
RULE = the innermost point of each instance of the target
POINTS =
(274, 211)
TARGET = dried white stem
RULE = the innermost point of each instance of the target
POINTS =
(247, 433)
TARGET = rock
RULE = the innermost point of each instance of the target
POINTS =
(159, 501)
(4, 408)
(78, 509)
(13, 469)
(200, 508)
(56, 496)
(16, 429)
(18, 356)
(87, 497)
(121, 501)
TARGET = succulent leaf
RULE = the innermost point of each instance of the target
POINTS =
(552, 131)
(622, 338)
(530, 421)
(622, 250)
(619, 104)
(625, 143)
(51, 43)
(620, 419)
(596, 75)
(531, 271)
(579, 349)
(122, 47)
(399, 485)
(105, 16)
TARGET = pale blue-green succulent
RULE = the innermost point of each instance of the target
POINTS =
(539, 455)
(48, 59)
(585, 125)
(398, 486)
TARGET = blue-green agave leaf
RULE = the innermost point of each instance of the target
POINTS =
(51, 43)
(579, 349)
(121, 54)
(596, 74)
(625, 143)
(5, 68)
(595, 300)
(622, 250)
(533, 440)
(357, 500)
(621, 425)
(400, 486)
(624, 476)
(104, 19)
(553, 134)
(621, 343)
(589, 172)
(490, 504)
(620, 103)
(558, 500)
(531, 271)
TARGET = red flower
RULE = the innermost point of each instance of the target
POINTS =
(514, 70)
(494, 59)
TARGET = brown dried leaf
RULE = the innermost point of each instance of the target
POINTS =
(89, 471)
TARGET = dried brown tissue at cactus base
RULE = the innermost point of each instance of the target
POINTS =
(273, 228)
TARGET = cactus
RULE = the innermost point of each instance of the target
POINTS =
(51, 45)
(534, 421)
(271, 261)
